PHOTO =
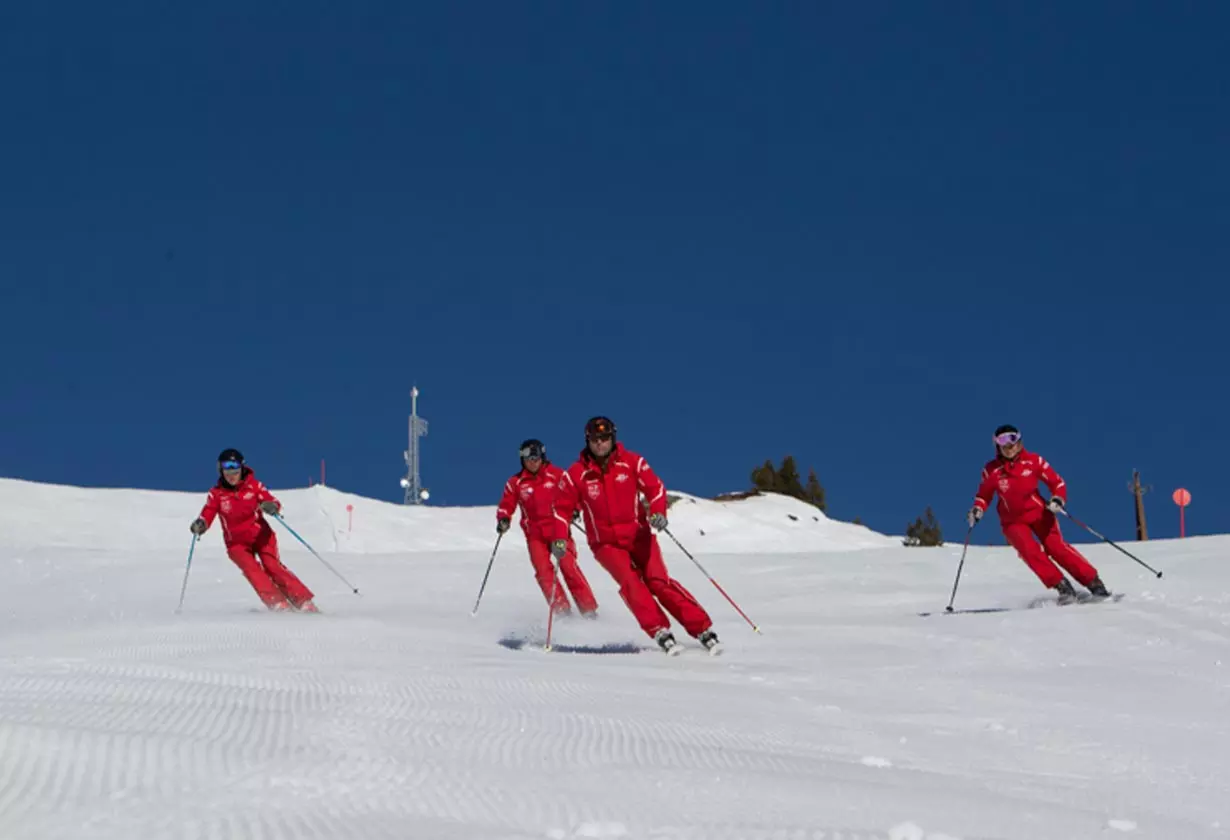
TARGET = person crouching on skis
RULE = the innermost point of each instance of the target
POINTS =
(533, 489)
(607, 482)
(241, 500)
(1015, 474)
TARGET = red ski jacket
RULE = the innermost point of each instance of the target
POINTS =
(534, 493)
(1016, 482)
(239, 506)
(610, 498)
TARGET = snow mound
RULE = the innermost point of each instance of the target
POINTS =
(333, 520)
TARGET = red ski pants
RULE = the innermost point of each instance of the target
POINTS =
(642, 578)
(273, 582)
(544, 572)
(1021, 536)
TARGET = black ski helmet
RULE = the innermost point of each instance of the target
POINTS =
(598, 427)
(230, 455)
(532, 448)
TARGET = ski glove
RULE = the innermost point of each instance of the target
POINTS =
(559, 548)
(502, 525)
(270, 507)
(1055, 505)
(198, 526)
(975, 513)
(657, 521)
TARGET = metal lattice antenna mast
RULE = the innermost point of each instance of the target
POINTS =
(416, 494)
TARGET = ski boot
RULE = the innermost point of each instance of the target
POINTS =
(710, 640)
(666, 641)
(1066, 593)
(1097, 589)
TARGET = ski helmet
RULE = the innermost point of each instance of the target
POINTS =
(533, 448)
(599, 427)
(230, 456)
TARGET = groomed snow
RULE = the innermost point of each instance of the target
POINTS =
(398, 714)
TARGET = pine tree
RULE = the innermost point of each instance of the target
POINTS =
(924, 531)
(765, 477)
(788, 482)
(814, 493)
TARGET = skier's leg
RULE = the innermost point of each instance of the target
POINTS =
(677, 600)
(632, 589)
(285, 580)
(544, 573)
(243, 557)
(578, 585)
(1047, 529)
(1022, 539)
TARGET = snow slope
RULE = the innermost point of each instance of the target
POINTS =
(398, 714)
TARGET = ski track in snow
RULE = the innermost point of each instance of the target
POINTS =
(396, 714)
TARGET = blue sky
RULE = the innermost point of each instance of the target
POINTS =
(864, 236)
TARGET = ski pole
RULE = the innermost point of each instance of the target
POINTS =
(960, 566)
(490, 563)
(1111, 542)
(184, 589)
(278, 517)
(711, 580)
(551, 603)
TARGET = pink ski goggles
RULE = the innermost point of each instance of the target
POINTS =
(1008, 438)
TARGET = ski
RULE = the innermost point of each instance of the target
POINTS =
(970, 610)
(1037, 603)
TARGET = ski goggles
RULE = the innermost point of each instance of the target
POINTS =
(1008, 438)
(531, 452)
(232, 465)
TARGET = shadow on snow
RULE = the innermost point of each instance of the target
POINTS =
(517, 643)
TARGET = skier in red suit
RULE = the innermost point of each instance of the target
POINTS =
(1015, 475)
(607, 482)
(533, 490)
(241, 500)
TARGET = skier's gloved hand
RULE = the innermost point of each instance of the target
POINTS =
(270, 507)
(559, 548)
(657, 521)
(198, 526)
(1055, 505)
(502, 525)
(975, 513)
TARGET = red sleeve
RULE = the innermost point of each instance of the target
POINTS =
(211, 507)
(986, 490)
(263, 494)
(508, 502)
(648, 483)
(566, 496)
(1057, 485)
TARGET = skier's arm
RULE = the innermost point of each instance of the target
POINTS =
(565, 505)
(508, 502)
(210, 511)
(654, 489)
(269, 503)
(1054, 482)
(986, 491)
